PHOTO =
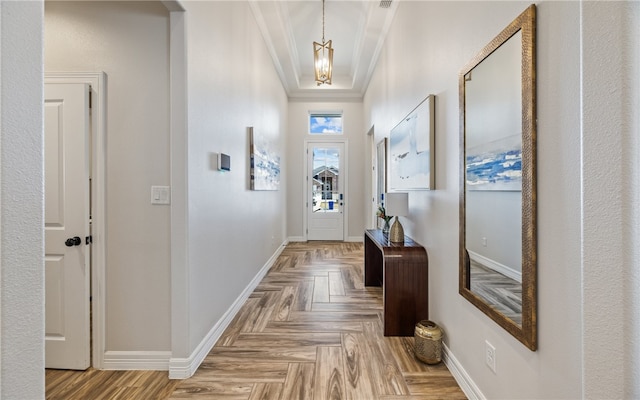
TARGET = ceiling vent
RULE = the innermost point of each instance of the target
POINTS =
(385, 3)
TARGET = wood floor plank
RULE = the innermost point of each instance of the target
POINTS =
(357, 300)
(321, 289)
(336, 287)
(61, 382)
(239, 321)
(345, 307)
(275, 355)
(434, 387)
(404, 353)
(304, 297)
(284, 304)
(313, 326)
(222, 370)
(384, 370)
(195, 389)
(274, 340)
(261, 313)
(266, 391)
(329, 374)
(299, 382)
(358, 381)
(327, 316)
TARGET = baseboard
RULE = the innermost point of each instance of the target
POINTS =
(496, 266)
(297, 239)
(183, 368)
(136, 360)
(355, 239)
(460, 375)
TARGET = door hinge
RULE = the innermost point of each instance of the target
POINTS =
(88, 239)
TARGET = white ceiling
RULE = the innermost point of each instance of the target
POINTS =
(356, 27)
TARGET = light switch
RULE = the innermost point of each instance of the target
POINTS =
(160, 195)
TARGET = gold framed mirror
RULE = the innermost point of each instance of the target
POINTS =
(498, 240)
(381, 176)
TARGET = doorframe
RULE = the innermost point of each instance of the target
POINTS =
(305, 185)
(373, 179)
(97, 81)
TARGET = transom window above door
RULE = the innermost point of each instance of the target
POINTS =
(325, 123)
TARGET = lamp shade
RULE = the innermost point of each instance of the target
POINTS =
(397, 204)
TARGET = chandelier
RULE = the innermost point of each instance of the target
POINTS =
(323, 58)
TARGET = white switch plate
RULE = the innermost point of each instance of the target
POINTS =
(490, 355)
(160, 195)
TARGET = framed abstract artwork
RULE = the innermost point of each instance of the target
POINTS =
(265, 163)
(411, 149)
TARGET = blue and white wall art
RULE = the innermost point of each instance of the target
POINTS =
(265, 163)
(496, 165)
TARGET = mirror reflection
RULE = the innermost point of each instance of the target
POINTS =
(497, 180)
(493, 118)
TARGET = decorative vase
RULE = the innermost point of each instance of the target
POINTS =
(397, 232)
(428, 342)
(385, 228)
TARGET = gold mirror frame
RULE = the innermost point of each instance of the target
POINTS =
(527, 331)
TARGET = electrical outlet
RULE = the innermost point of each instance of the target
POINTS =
(490, 355)
(484, 241)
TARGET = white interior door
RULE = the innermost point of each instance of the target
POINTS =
(325, 191)
(67, 226)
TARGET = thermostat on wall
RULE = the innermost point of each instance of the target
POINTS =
(224, 162)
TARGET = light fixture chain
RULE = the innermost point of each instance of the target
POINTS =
(323, 22)
(323, 56)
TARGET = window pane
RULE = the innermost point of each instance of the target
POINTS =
(330, 124)
(326, 173)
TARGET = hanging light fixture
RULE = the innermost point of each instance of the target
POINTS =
(323, 58)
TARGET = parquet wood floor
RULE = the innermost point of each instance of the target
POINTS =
(310, 330)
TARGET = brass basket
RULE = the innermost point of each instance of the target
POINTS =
(428, 342)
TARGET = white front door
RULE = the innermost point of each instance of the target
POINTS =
(67, 226)
(325, 190)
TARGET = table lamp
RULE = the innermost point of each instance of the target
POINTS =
(397, 204)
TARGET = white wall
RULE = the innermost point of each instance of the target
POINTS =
(22, 199)
(354, 133)
(232, 231)
(609, 170)
(129, 42)
(586, 229)
(428, 45)
(632, 227)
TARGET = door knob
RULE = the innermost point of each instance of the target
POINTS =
(74, 241)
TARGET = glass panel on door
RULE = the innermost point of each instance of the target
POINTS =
(326, 197)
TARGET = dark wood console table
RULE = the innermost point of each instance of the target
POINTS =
(402, 271)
